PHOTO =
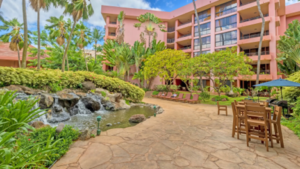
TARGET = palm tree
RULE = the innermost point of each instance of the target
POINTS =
(78, 9)
(1, 2)
(200, 40)
(151, 20)
(260, 41)
(97, 35)
(138, 51)
(120, 31)
(25, 34)
(13, 36)
(84, 39)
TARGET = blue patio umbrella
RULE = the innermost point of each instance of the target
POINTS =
(279, 83)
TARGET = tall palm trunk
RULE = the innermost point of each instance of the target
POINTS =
(260, 41)
(25, 34)
(87, 69)
(39, 35)
(19, 59)
(95, 53)
(67, 47)
(200, 40)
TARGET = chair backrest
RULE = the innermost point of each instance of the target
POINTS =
(169, 94)
(188, 96)
(256, 111)
(163, 94)
(218, 103)
(235, 102)
(252, 104)
(159, 94)
(180, 96)
(266, 104)
(277, 113)
(234, 110)
(195, 97)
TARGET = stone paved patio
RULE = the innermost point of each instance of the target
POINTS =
(185, 136)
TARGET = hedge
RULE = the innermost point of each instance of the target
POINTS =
(292, 93)
(68, 79)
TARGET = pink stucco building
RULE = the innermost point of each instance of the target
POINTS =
(223, 23)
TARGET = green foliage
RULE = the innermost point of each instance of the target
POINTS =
(296, 109)
(56, 87)
(64, 139)
(155, 92)
(93, 135)
(293, 124)
(17, 114)
(225, 89)
(292, 93)
(69, 79)
(127, 102)
(103, 93)
(204, 96)
(219, 98)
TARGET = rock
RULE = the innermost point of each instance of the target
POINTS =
(91, 104)
(46, 101)
(100, 90)
(115, 97)
(224, 99)
(86, 134)
(81, 94)
(60, 127)
(57, 114)
(137, 118)
(88, 85)
(108, 124)
(109, 106)
(122, 105)
(67, 100)
(39, 124)
(16, 88)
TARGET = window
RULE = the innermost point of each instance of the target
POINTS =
(203, 52)
(227, 38)
(226, 8)
(205, 43)
(226, 23)
(203, 16)
(204, 29)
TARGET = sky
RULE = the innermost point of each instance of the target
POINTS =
(13, 9)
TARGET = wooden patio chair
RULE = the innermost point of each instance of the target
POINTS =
(178, 97)
(277, 126)
(187, 96)
(238, 125)
(221, 108)
(194, 100)
(159, 94)
(252, 104)
(169, 95)
(263, 123)
(164, 94)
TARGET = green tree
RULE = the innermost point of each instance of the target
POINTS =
(150, 21)
(225, 65)
(165, 64)
(13, 36)
(97, 35)
(78, 9)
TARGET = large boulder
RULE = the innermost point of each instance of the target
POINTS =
(67, 100)
(46, 101)
(137, 118)
(115, 97)
(57, 114)
(16, 88)
(88, 85)
(91, 104)
(85, 134)
(121, 105)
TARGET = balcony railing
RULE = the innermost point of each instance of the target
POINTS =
(250, 19)
(242, 4)
(113, 23)
(185, 23)
(256, 53)
(186, 47)
(171, 29)
(265, 72)
(185, 35)
(112, 34)
(254, 35)
(171, 40)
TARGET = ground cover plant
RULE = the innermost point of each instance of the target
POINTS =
(68, 79)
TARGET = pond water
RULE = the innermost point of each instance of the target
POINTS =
(118, 119)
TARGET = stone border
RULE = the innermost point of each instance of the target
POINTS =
(159, 109)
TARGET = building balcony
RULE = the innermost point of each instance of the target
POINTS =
(265, 56)
(248, 5)
(253, 25)
(171, 30)
(112, 25)
(252, 40)
(184, 37)
(184, 25)
(186, 49)
(171, 40)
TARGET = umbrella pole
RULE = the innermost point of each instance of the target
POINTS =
(281, 93)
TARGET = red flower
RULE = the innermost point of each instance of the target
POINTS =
(29, 139)
(94, 77)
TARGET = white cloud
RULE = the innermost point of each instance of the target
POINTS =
(13, 9)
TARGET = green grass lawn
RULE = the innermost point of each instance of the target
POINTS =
(227, 103)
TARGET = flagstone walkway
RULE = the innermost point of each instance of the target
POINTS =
(185, 136)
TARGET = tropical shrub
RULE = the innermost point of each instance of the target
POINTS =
(17, 114)
(292, 93)
(155, 92)
(63, 141)
(293, 124)
(220, 98)
(68, 79)
(204, 96)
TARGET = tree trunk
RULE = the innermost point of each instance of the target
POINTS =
(200, 40)
(149, 41)
(25, 34)
(67, 63)
(39, 36)
(95, 53)
(260, 41)
(19, 56)
(67, 47)
(87, 69)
